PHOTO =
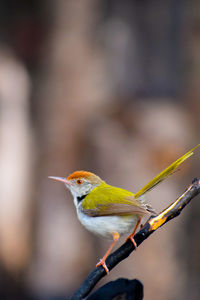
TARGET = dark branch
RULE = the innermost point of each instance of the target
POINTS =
(150, 226)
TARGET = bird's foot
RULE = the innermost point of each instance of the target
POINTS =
(131, 237)
(103, 264)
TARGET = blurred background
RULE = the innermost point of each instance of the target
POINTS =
(107, 86)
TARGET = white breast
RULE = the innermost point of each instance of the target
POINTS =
(107, 225)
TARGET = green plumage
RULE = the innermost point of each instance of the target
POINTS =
(108, 194)
(107, 200)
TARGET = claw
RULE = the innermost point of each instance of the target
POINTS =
(103, 264)
(130, 237)
(102, 261)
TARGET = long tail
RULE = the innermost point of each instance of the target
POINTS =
(164, 174)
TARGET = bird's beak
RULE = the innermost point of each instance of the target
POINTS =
(61, 179)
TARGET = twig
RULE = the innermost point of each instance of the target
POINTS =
(150, 226)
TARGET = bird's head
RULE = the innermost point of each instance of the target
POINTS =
(80, 183)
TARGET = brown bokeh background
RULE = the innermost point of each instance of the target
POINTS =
(108, 86)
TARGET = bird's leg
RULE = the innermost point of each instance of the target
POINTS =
(102, 261)
(131, 236)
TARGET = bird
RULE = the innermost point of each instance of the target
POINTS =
(111, 211)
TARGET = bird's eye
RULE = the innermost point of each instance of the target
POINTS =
(79, 181)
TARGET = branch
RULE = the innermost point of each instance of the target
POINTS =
(150, 226)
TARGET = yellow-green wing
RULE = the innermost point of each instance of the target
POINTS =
(164, 174)
(106, 200)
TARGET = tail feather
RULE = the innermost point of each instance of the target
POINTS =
(147, 205)
(165, 173)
